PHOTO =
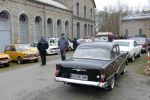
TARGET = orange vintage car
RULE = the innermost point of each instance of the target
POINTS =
(4, 59)
(21, 53)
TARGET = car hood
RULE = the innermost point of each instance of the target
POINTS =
(85, 63)
(29, 52)
(2, 55)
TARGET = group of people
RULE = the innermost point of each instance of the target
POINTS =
(114, 37)
(63, 45)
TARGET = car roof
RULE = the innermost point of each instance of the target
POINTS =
(105, 45)
(124, 40)
(137, 38)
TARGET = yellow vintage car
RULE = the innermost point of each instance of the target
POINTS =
(4, 59)
(21, 53)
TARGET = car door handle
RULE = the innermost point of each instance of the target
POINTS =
(117, 60)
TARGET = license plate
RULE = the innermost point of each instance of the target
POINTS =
(3, 62)
(33, 58)
(79, 77)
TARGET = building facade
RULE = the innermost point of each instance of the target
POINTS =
(136, 25)
(25, 21)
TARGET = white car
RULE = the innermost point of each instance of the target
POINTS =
(131, 47)
(52, 49)
(54, 41)
(80, 41)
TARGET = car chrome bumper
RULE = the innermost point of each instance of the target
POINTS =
(31, 58)
(89, 83)
(4, 62)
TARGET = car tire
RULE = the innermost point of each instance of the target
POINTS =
(6, 65)
(127, 62)
(139, 55)
(146, 51)
(36, 60)
(19, 60)
(132, 59)
(124, 71)
(112, 84)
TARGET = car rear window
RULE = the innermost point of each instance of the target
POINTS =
(92, 53)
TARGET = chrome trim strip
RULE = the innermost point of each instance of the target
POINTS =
(121, 64)
(31, 58)
(117, 70)
(89, 83)
(111, 76)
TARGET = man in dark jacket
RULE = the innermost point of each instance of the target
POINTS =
(63, 45)
(42, 46)
(75, 43)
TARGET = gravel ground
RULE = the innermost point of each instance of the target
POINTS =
(37, 83)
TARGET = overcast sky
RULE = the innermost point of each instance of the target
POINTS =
(100, 4)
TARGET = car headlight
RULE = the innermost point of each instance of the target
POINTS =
(25, 55)
(8, 57)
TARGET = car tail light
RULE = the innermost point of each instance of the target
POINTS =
(102, 76)
(144, 45)
(57, 71)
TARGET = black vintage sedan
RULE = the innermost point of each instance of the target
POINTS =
(93, 64)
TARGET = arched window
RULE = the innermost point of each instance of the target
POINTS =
(85, 31)
(5, 29)
(38, 28)
(140, 32)
(49, 28)
(88, 31)
(92, 34)
(78, 30)
(23, 29)
(84, 11)
(126, 32)
(59, 28)
(67, 29)
(91, 14)
(78, 9)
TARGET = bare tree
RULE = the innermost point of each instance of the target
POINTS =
(108, 20)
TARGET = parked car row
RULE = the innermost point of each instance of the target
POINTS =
(19, 53)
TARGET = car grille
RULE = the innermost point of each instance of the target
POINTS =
(4, 58)
(33, 55)
(55, 48)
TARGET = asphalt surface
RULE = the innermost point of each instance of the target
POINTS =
(36, 82)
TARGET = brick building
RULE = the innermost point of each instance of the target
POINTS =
(25, 21)
(136, 25)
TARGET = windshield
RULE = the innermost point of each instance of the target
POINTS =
(92, 53)
(139, 40)
(122, 43)
(53, 41)
(21, 47)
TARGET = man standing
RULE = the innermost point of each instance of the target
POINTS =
(63, 45)
(42, 46)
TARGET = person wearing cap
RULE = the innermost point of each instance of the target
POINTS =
(42, 46)
(63, 45)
